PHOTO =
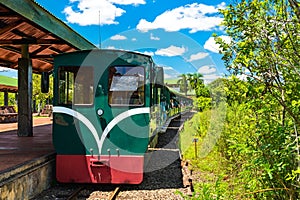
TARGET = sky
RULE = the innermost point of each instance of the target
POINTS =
(176, 33)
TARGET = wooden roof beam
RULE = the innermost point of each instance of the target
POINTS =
(31, 41)
(42, 56)
(10, 26)
(56, 50)
(12, 49)
(18, 51)
(5, 63)
(39, 17)
(10, 15)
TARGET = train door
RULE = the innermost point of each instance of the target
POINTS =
(122, 110)
(74, 98)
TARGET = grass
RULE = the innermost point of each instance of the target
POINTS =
(5, 80)
(211, 177)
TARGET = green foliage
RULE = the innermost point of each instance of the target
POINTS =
(261, 139)
(183, 83)
(4, 80)
(192, 130)
(195, 82)
(259, 143)
(11, 99)
(209, 167)
(202, 103)
(264, 46)
(257, 149)
(217, 91)
(37, 95)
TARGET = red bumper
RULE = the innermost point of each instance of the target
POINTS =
(109, 169)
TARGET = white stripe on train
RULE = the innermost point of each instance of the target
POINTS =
(90, 126)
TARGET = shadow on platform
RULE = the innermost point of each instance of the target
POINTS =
(16, 150)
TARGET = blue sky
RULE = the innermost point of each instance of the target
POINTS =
(176, 33)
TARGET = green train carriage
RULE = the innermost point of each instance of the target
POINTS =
(107, 110)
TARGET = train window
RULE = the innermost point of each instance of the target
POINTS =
(126, 85)
(76, 86)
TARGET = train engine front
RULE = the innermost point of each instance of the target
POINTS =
(101, 116)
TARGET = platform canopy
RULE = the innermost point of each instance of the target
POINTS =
(26, 22)
(29, 37)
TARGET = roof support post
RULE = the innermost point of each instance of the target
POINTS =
(5, 98)
(25, 93)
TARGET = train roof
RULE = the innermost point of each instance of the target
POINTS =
(177, 93)
(104, 51)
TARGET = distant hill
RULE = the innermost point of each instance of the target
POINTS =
(8, 84)
(5, 80)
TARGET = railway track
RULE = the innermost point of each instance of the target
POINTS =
(114, 194)
(108, 195)
(74, 195)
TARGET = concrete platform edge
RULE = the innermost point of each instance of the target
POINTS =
(28, 179)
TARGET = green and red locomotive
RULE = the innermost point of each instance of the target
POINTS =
(108, 107)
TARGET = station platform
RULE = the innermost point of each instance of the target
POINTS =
(16, 150)
(26, 163)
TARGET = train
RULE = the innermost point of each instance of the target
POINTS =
(108, 108)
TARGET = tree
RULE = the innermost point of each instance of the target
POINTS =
(37, 96)
(264, 47)
(265, 40)
(183, 84)
(195, 80)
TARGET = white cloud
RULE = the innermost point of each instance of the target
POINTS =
(211, 45)
(149, 53)
(86, 12)
(118, 37)
(127, 2)
(197, 56)
(207, 69)
(111, 47)
(8, 72)
(196, 17)
(152, 37)
(4, 69)
(210, 77)
(171, 51)
(170, 72)
(133, 39)
(222, 5)
(168, 68)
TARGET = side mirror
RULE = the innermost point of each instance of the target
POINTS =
(45, 82)
(159, 77)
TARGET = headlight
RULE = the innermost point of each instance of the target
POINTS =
(100, 112)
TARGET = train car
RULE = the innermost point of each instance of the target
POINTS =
(108, 107)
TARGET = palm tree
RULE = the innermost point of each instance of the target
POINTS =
(183, 83)
(195, 80)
